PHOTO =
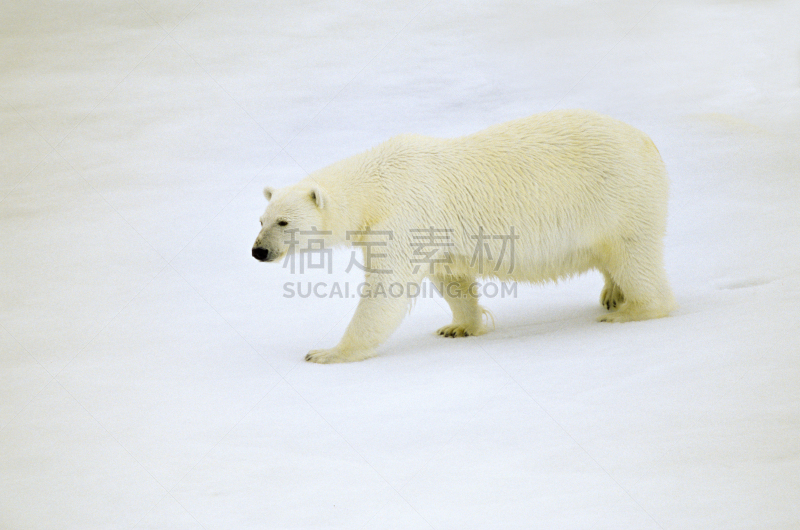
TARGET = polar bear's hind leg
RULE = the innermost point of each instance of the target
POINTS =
(611, 297)
(636, 269)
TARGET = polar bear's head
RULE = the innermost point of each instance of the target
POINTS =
(294, 221)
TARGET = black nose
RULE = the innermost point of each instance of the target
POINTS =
(261, 254)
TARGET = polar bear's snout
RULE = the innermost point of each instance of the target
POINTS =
(264, 254)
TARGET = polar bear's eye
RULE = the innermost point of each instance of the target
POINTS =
(282, 223)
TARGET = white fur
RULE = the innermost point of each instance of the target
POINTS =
(582, 191)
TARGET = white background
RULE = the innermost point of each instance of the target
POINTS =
(151, 373)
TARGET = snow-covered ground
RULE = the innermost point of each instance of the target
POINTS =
(152, 374)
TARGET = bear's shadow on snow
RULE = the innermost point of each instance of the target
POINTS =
(565, 320)
(512, 326)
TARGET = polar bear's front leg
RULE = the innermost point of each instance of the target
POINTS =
(462, 297)
(378, 314)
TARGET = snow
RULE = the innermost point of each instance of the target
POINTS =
(152, 372)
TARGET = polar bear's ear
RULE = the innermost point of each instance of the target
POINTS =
(318, 196)
(268, 192)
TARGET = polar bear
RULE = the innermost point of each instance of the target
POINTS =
(531, 200)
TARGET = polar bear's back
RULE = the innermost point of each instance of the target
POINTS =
(564, 184)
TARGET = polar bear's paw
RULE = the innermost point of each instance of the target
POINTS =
(337, 355)
(461, 330)
(611, 297)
